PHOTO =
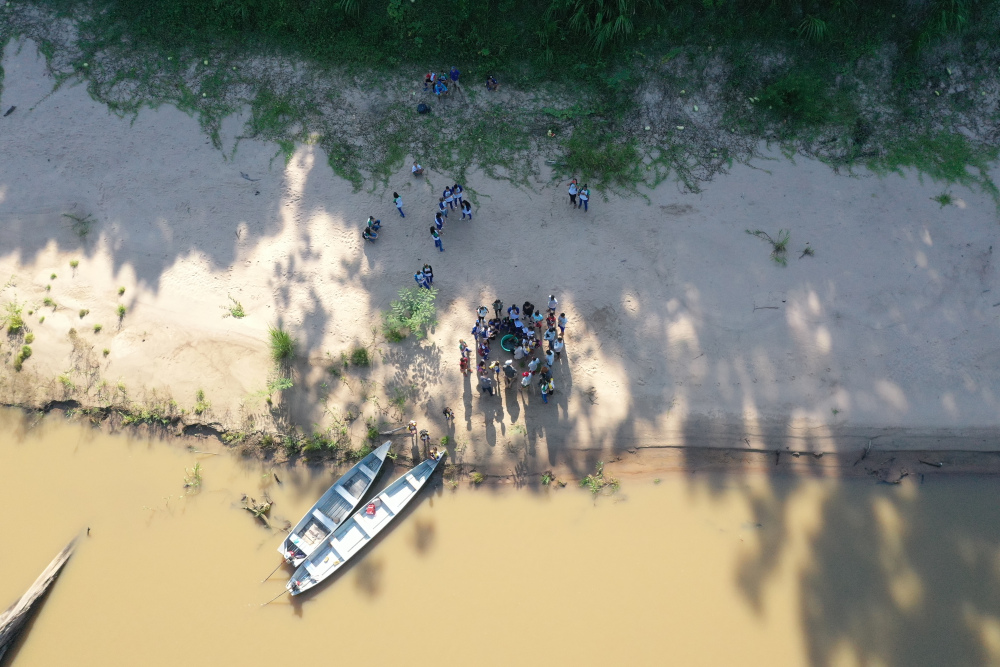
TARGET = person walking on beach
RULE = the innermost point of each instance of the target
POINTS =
(562, 324)
(573, 189)
(558, 346)
(428, 274)
(533, 364)
(449, 414)
(463, 348)
(584, 197)
(398, 201)
(482, 312)
(466, 210)
(437, 239)
(438, 222)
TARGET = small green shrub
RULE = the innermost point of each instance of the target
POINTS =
(83, 313)
(236, 309)
(121, 291)
(74, 263)
(282, 345)
(66, 381)
(121, 312)
(414, 312)
(21, 357)
(49, 303)
(201, 405)
(944, 199)
(477, 478)
(445, 440)
(98, 327)
(52, 277)
(106, 352)
(29, 338)
(360, 357)
(779, 245)
(13, 319)
(547, 478)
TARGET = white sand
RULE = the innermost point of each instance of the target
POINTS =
(687, 331)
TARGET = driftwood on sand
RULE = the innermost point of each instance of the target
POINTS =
(13, 620)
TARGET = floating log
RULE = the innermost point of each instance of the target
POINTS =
(13, 620)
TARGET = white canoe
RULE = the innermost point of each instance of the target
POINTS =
(332, 508)
(354, 534)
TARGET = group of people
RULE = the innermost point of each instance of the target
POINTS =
(371, 229)
(576, 191)
(439, 82)
(450, 200)
(424, 277)
(524, 326)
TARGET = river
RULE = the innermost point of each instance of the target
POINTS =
(689, 569)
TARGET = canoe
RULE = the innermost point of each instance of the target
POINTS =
(13, 621)
(354, 534)
(339, 501)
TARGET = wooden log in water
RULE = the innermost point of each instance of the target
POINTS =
(13, 620)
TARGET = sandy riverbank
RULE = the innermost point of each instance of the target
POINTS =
(682, 330)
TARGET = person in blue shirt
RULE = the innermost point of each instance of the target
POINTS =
(421, 281)
(454, 75)
(440, 89)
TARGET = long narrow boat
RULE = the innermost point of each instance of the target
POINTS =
(352, 535)
(332, 508)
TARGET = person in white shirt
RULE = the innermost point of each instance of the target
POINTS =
(553, 303)
(558, 346)
(573, 189)
(417, 170)
(519, 353)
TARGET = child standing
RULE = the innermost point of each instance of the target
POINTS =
(448, 197)
(584, 197)
(562, 324)
(466, 210)
(442, 209)
(558, 347)
(421, 281)
(398, 201)
(454, 75)
(457, 190)
(438, 221)
(573, 189)
(437, 239)
(428, 274)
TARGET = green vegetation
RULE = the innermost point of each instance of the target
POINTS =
(192, 478)
(29, 338)
(98, 327)
(201, 406)
(83, 313)
(73, 263)
(66, 381)
(477, 478)
(80, 224)
(944, 199)
(13, 320)
(414, 312)
(21, 357)
(52, 277)
(445, 440)
(282, 345)
(105, 352)
(360, 357)
(121, 291)
(359, 453)
(547, 477)
(598, 482)
(49, 303)
(779, 245)
(235, 309)
(121, 312)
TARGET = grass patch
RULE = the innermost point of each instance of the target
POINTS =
(66, 381)
(235, 309)
(73, 263)
(414, 312)
(944, 199)
(49, 303)
(282, 345)
(477, 478)
(13, 319)
(121, 311)
(98, 327)
(192, 478)
(105, 352)
(22, 356)
(29, 338)
(598, 483)
(83, 313)
(360, 357)
(121, 291)
(779, 244)
(201, 406)
(80, 224)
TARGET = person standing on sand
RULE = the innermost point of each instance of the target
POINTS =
(562, 324)
(526, 380)
(442, 209)
(508, 374)
(463, 347)
(550, 337)
(466, 210)
(533, 364)
(545, 392)
(485, 384)
(457, 191)
(537, 317)
(497, 307)
(558, 346)
(573, 189)
(398, 201)
(421, 281)
(553, 303)
(514, 312)
(437, 239)
(519, 353)
(550, 358)
(438, 222)
(449, 415)
(428, 274)
(584, 197)
(448, 197)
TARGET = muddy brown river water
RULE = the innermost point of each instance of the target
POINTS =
(692, 570)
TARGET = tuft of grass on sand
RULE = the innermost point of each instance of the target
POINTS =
(106, 352)
(201, 405)
(944, 199)
(282, 345)
(235, 309)
(21, 357)
(779, 245)
(121, 291)
(360, 357)
(83, 313)
(13, 319)
(477, 478)
(29, 338)
(73, 263)
(121, 310)
(98, 327)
